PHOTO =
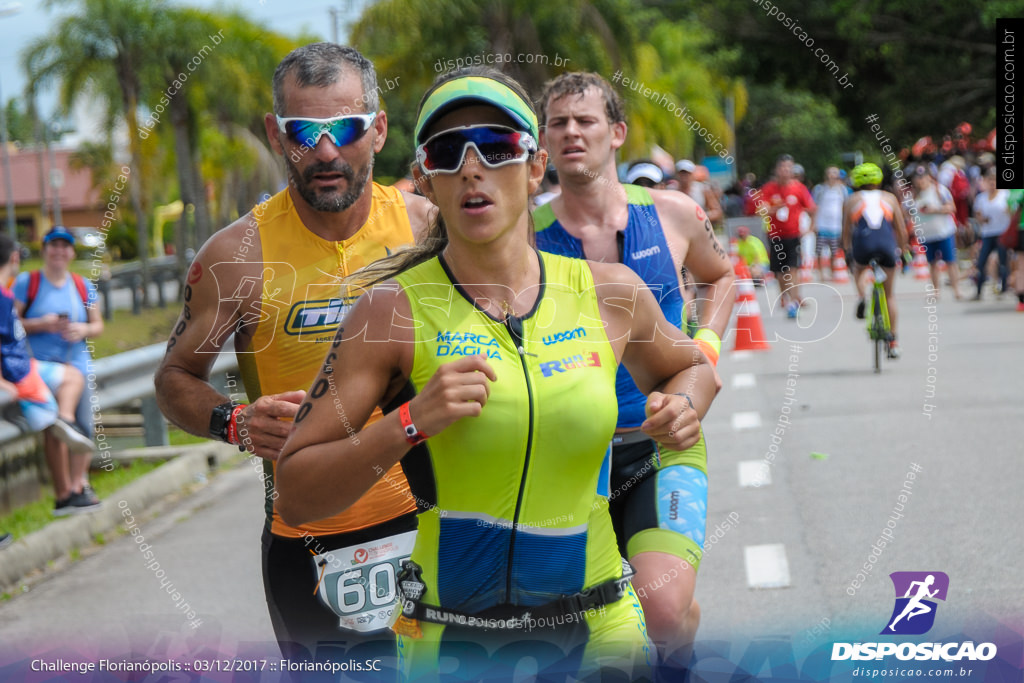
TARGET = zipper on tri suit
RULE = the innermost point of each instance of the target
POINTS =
(515, 329)
(342, 257)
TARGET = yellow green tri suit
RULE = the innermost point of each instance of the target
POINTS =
(508, 497)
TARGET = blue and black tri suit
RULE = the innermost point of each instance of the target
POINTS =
(666, 512)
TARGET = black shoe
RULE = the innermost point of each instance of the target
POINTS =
(90, 494)
(860, 309)
(6, 540)
(75, 504)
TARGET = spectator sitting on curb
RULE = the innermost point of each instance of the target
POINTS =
(751, 250)
(31, 382)
(59, 311)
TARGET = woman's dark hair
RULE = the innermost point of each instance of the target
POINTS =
(436, 237)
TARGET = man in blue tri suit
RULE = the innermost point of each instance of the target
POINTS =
(658, 501)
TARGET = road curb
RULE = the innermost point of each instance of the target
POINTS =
(60, 537)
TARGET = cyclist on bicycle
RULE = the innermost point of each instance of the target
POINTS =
(874, 230)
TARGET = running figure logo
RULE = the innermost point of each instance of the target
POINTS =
(914, 613)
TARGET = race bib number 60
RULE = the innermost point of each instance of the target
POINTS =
(359, 582)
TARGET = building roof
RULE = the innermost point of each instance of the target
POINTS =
(76, 192)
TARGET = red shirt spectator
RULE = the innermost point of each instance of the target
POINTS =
(787, 198)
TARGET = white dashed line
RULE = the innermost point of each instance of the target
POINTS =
(743, 380)
(741, 355)
(766, 565)
(754, 473)
(747, 420)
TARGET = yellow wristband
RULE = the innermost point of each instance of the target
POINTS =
(708, 335)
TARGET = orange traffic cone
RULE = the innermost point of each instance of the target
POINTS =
(921, 271)
(840, 275)
(806, 273)
(749, 328)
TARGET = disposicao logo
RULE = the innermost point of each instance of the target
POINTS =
(916, 592)
(913, 615)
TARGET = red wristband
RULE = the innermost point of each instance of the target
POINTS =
(233, 425)
(412, 434)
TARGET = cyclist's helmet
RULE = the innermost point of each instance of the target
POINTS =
(866, 174)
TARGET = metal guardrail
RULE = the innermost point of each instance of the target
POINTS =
(129, 276)
(120, 380)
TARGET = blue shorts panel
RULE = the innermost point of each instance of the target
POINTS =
(944, 249)
(878, 244)
(35, 395)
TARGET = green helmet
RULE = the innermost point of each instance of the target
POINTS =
(866, 174)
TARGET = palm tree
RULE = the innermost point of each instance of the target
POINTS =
(677, 64)
(229, 89)
(532, 40)
(414, 39)
(100, 50)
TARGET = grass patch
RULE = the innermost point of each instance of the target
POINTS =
(35, 516)
(126, 331)
(81, 266)
(177, 437)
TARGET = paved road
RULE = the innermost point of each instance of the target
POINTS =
(947, 413)
(110, 603)
(819, 516)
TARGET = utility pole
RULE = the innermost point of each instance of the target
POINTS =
(56, 177)
(12, 225)
(334, 23)
(343, 17)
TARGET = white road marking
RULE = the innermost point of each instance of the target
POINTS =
(766, 565)
(744, 380)
(754, 473)
(741, 355)
(746, 420)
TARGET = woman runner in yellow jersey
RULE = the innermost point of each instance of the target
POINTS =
(495, 367)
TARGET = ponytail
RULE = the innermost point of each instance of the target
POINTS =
(432, 244)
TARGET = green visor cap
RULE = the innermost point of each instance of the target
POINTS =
(475, 90)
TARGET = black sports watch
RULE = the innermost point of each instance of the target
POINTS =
(219, 420)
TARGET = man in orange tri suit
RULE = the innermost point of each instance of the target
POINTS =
(273, 278)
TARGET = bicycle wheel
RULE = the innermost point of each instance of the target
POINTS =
(879, 334)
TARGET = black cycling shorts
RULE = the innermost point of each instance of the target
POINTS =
(784, 254)
(632, 466)
(874, 244)
(303, 624)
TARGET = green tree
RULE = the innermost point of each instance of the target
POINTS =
(21, 121)
(922, 69)
(781, 120)
(413, 41)
(100, 50)
(215, 71)
(685, 75)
